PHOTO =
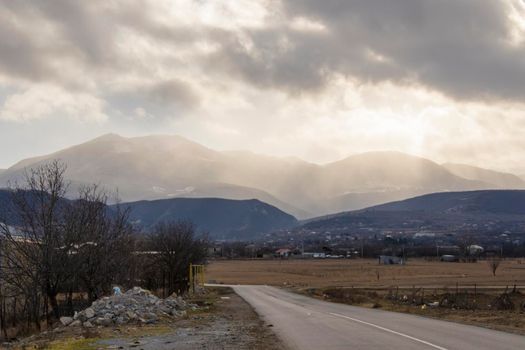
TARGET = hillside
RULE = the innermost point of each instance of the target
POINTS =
(162, 166)
(221, 218)
(6, 214)
(472, 211)
(499, 179)
(504, 202)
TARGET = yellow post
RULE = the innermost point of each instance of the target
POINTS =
(191, 276)
(196, 276)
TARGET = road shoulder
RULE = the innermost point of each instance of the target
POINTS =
(225, 321)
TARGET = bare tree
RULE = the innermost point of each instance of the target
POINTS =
(104, 242)
(174, 247)
(464, 242)
(493, 263)
(37, 259)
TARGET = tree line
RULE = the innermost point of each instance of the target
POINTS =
(56, 249)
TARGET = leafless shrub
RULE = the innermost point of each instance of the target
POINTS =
(493, 263)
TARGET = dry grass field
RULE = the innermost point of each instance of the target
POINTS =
(364, 273)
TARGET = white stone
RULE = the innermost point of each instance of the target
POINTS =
(89, 312)
(66, 320)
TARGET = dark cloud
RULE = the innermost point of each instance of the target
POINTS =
(166, 99)
(17, 54)
(461, 48)
(458, 47)
(270, 62)
(38, 39)
(88, 29)
(85, 34)
(173, 93)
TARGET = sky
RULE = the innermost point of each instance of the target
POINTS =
(315, 79)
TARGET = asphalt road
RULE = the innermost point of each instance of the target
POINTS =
(307, 323)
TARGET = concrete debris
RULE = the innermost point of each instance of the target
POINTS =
(66, 321)
(137, 305)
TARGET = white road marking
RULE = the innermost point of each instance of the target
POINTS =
(390, 331)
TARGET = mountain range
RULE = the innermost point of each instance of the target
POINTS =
(219, 218)
(162, 167)
(493, 211)
(482, 211)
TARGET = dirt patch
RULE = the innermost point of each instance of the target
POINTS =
(225, 322)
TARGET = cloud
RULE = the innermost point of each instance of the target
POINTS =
(173, 93)
(45, 101)
(154, 101)
(463, 49)
(468, 49)
(18, 47)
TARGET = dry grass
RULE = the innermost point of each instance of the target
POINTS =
(363, 273)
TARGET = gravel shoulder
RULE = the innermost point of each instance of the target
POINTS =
(225, 321)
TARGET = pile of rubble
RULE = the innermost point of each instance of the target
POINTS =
(137, 305)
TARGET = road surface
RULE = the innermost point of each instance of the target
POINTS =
(307, 323)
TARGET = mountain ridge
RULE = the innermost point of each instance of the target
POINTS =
(168, 166)
(508, 202)
(222, 218)
(500, 179)
(481, 211)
